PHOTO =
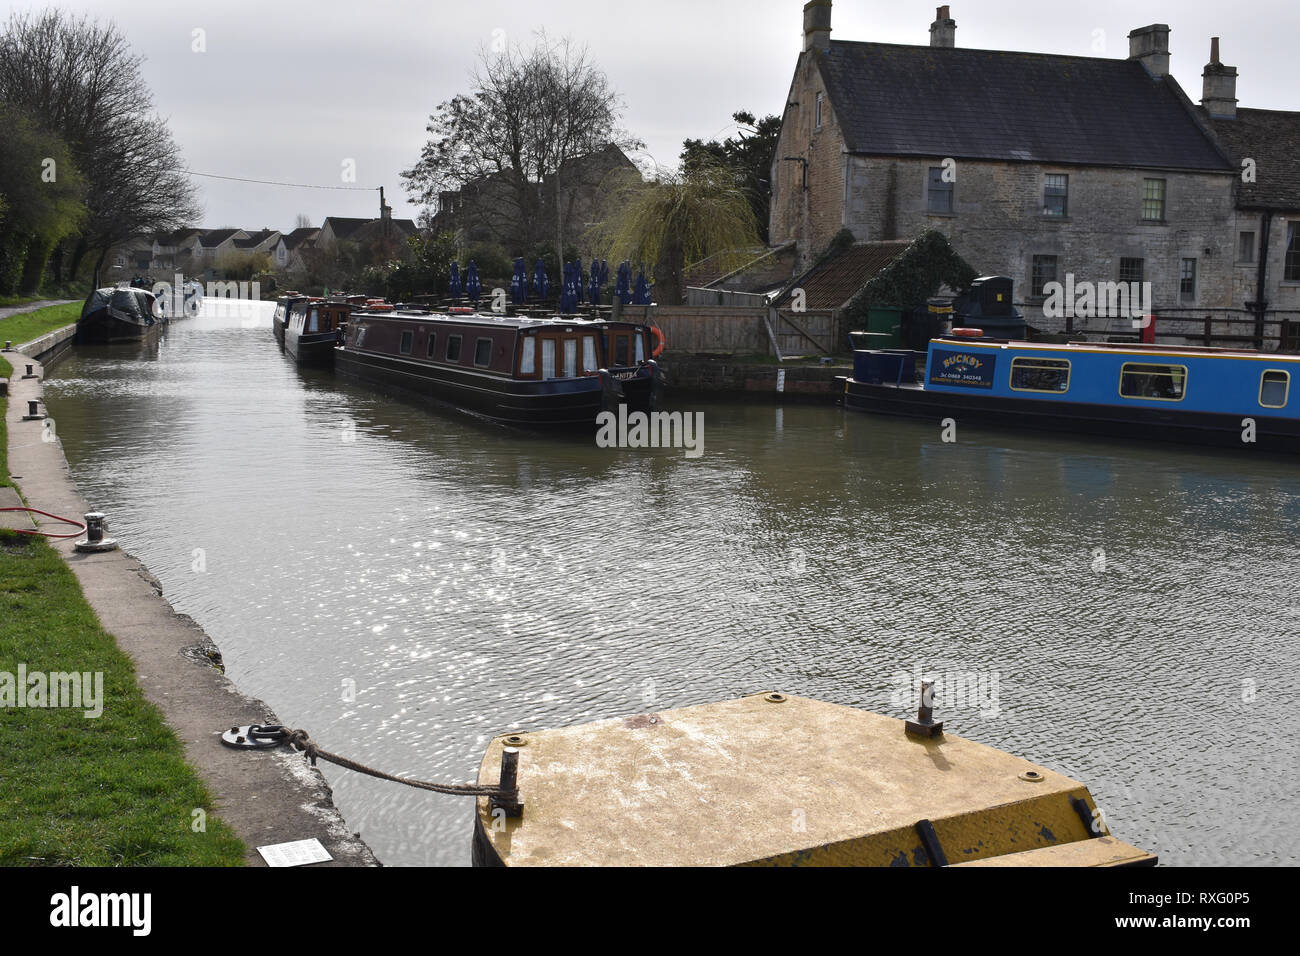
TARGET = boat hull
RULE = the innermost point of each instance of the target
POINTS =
(315, 348)
(103, 329)
(1214, 429)
(573, 402)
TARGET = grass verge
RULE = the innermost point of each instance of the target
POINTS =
(32, 325)
(77, 791)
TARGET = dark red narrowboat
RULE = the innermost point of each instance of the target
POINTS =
(511, 369)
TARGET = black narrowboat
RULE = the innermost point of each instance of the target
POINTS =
(283, 306)
(315, 329)
(119, 315)
(515, 370)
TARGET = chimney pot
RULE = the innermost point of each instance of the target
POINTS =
(943, 32)
(1150, 46)
(817, 25)
(1219, 86)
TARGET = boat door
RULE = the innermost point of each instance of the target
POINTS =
(567, 354)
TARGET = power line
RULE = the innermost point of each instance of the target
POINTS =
(269, 182)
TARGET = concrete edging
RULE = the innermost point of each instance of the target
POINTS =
(270, 796)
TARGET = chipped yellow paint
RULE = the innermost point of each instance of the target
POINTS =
(752, 782)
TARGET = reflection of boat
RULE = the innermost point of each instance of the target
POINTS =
(815, 784)
(522, 371)
(118, 315)
(1205, 396)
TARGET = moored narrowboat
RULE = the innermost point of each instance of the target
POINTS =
(283, 306)
(1204, 396)
(314, 329)
(515, 370)
(119, 315)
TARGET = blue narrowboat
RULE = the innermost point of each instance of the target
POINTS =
(1204, 396)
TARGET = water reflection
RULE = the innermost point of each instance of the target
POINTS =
(407, 582)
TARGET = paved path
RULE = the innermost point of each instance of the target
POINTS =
(269, 796)
(31, 307)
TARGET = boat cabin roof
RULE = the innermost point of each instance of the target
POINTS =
(1160, 350)
(488, 319)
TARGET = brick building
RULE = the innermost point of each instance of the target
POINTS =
(1033, 165)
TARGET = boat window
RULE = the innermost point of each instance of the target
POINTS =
(312, 321)
(1165, 383)
(361, 336)
(640, 346)
(570, 358)
(407, 338)
(453, 348)
(589, 353)
(621, 348)
(548, 358)
(433, 340)
(1031, 374)
(1274, 388)
(528, 356)
(483, 352)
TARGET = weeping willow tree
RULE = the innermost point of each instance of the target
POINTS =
(677, 218)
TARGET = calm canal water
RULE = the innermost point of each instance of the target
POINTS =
(405, 583)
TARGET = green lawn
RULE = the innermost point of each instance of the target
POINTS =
(77, 791)
(32, 325)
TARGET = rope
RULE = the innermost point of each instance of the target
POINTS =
(81, 525)
(301, 741)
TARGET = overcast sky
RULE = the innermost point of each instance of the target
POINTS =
(288, 89)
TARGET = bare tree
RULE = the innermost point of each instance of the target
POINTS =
(83, 80)
(533, 110)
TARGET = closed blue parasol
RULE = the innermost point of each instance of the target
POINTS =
(642, 294)
(454, 286)
(541, 281)
(569, 294)
(519, 283)
(577, 281)
(473, 287)
(623, 290)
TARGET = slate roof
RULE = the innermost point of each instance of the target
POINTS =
(892, 99)
(254, 239)
(831, 284)
(215, 237)
(1272, 139)
(292, 240)
(374, 229)
(344, 227)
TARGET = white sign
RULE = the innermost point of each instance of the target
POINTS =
(298, 853)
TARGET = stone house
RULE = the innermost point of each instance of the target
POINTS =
(1034, 166)
(1264, 145)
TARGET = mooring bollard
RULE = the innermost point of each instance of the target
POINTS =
(925, 725)
(30, 373)
(9, 346)
(95, 540)
(33, 411)
(508, 802)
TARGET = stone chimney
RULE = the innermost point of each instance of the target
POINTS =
(1150, 45)
(817, 25)
(1219, 86)
(943, 32)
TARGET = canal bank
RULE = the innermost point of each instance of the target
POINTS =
(266, 797)
(752, 378)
